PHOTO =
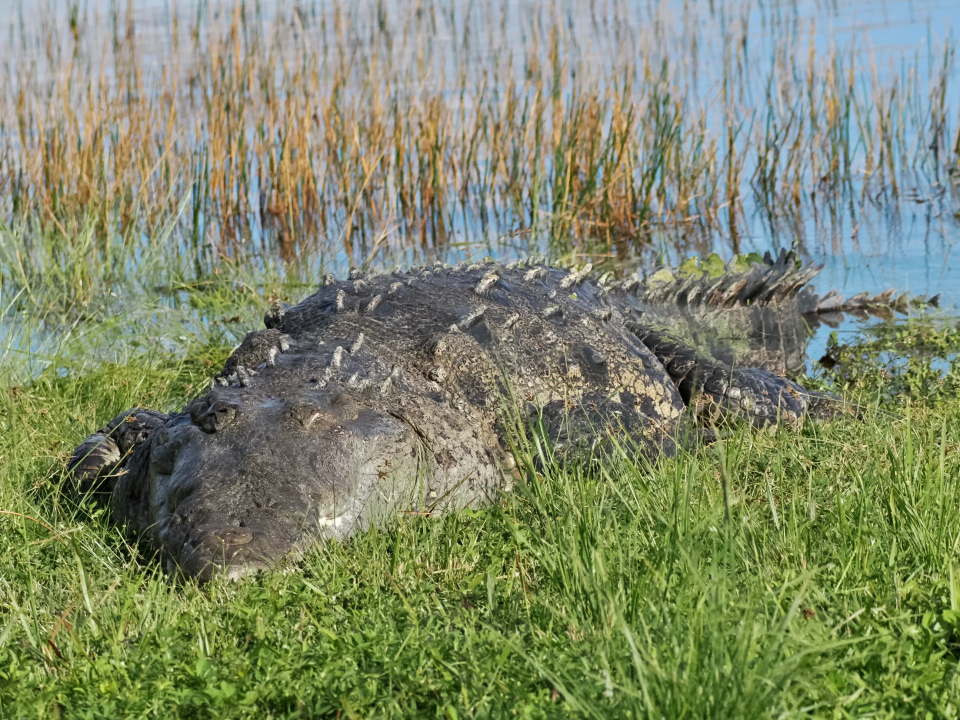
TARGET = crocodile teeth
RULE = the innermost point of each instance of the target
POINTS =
(341, 300)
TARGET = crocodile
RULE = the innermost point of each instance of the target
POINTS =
(754, 311)
(397, 392)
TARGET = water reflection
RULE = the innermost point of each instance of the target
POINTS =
(870, 196)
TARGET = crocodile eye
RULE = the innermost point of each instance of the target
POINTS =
(214, 416)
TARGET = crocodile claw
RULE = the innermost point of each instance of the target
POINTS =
(97, 457)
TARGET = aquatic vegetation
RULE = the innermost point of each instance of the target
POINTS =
(367, 130)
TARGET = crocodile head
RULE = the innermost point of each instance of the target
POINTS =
(242, 477)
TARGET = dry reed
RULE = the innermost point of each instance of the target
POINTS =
(346, 128)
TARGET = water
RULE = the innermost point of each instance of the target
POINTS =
(875, 239)
(909, 244)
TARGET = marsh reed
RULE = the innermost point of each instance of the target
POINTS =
(343, 130)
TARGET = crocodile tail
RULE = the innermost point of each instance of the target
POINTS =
(764, 283)
(771, 282)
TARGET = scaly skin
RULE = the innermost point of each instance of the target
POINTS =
(390, 393)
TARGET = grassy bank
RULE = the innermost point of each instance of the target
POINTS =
(164, 179)
(770, 575)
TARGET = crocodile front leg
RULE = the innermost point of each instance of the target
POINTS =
(719, 392)
(95, 462)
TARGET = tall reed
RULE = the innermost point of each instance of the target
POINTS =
(356, 128)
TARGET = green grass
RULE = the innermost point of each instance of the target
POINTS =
(788, 574)
(157, 215)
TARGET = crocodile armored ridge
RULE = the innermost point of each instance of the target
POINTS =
(393, 392)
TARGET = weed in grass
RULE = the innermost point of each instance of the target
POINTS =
(898, 363)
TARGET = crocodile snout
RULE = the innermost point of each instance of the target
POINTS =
(242, 477)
